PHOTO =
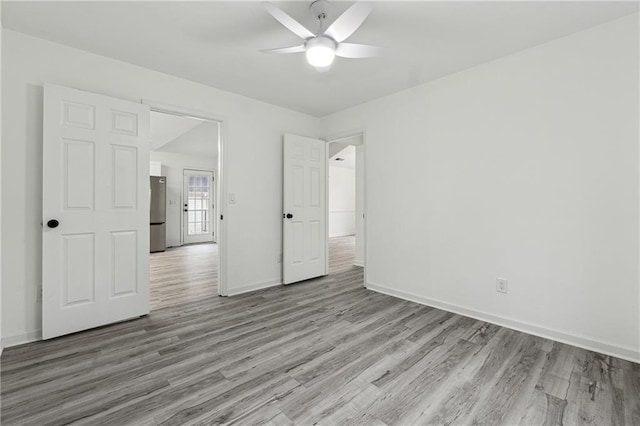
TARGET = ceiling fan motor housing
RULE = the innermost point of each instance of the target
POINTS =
(321, 41)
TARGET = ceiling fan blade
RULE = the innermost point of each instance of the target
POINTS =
(286, 20)
(349, 21)
(351, 50)
(292, 49)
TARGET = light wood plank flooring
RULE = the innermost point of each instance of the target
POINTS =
(183, 274)
(186, 273)
(342, 253)
(325, 351)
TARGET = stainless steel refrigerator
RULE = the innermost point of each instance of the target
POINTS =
(157, 216)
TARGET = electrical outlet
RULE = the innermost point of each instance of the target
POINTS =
(502, 285)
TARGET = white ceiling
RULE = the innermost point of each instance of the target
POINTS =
(163, 128)
(348, 156)
(201, 141)
(183, 135)
(217, 43)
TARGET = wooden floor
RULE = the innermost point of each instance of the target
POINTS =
(342, 253)
(183, 274)
(324, 351)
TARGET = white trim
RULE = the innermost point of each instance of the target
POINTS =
(326, 207)
(584, 342)
(21, 339)
(221, 238)
(365, 214)
(254, 287)
(358, 262)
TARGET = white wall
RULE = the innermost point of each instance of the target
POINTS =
(524, 168)
(342, 201)
(360, 192)
(1, 260)
(254, 131)
(173, 166)
(155, 168)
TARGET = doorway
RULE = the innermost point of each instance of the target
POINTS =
(186, 149)
(345, 195)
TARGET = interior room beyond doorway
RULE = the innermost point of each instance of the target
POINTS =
(345, 189)
(184, 159)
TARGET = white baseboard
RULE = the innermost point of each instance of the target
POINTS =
(584, 342)
(20, 339)
(358, 262)
(253, 287)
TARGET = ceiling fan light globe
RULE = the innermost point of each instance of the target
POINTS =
(320, 51)
(320, 56)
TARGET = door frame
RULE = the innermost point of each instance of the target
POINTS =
(338, 137)
(212, 210)
(222, 176)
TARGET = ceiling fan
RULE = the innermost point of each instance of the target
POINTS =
(321, 48)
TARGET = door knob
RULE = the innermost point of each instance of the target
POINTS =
(53, 223)
(289, 216)
(186, 210)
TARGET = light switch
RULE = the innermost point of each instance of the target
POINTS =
(232, 198)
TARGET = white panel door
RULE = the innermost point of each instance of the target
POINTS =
(95, 233)
(305, 211)
(197, 196)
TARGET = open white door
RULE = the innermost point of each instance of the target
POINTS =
(95, 241)
(305, 212)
